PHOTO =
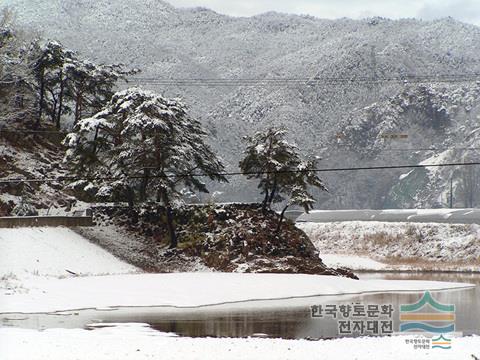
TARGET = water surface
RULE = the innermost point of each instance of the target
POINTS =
(293, 322)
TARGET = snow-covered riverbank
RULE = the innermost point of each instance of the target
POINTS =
(29, 256)
(354, 262)
(54, 252)
(37, 265)
(137, 342)
(374, 246)
(232, 290)
(37, 275)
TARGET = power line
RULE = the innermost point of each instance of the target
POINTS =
(21, 131)
(420, 149)
(316, 78)
(315, 81)
(39, 132)
(226, 174)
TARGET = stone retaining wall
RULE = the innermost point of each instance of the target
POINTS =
(45, 221)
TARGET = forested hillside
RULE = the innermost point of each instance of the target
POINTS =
(341, 73)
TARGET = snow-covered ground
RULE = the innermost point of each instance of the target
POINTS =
(138, 342)
(363, 245)
(37, 260)
(54, 252)
(353, 262)
(34, 278)
(29, 256)
(231, 290)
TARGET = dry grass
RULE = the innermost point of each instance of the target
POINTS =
(381, 238)
(420, 262)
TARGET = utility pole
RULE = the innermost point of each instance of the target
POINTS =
(373, 55)
(451, 192)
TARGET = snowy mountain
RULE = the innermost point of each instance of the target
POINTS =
(170, 43)
(441, 122)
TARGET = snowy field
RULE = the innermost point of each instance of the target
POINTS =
(54, 252)
(137, 342)
(30, 256)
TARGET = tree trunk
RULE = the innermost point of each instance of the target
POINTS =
(144, 185)
(94, 150)
(272, 194)
(53, 115)
(40, 105)
(171, 228)
(60, 102)
(170, 223)
(130, 197)
(78, 107)
(281, 219)
(265, 201)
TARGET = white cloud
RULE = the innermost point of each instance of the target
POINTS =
(464, 10)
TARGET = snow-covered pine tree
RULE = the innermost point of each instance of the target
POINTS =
(266, 154)
(24, 208)
(149, 145)
(46, 59)
(281, 172)
(66, 83)
(90, 86)
(296, 187)
(16, 94)
(48, 62)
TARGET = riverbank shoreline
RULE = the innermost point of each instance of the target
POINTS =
(176, 289)
(364, 263)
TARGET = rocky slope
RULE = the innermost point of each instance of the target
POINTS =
(32, 156)
(227, 238)
(198, 43)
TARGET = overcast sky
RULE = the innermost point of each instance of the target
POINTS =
(464, 10)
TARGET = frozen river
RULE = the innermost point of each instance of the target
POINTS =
(292, 323)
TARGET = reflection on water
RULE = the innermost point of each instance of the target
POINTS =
(280, 322)
(273, 324)
(467, 302)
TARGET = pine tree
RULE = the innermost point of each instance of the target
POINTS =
(149, 145)
(65, 83)
(45, 61)
(15, 75)
(282, 174)
(90, 86)
(51, 59)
